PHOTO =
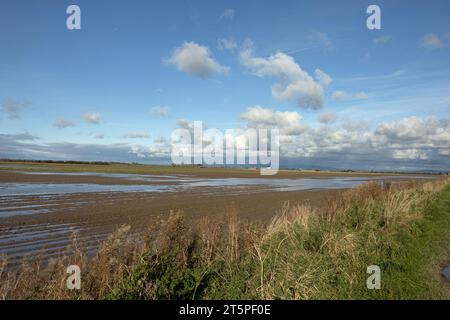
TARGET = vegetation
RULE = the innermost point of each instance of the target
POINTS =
(304, 253)
(135, 168)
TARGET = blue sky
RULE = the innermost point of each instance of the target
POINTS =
(103, 85)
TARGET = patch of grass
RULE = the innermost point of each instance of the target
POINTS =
(405, 232)
(416, 255)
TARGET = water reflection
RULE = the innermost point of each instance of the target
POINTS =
(446, 272)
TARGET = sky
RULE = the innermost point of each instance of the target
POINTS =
(342, 95)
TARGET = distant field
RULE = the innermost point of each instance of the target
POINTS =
(210, 172)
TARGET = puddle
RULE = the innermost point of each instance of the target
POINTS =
(280, 184)
(17, 189)
(446, 273)
(127, 176)
(5, 214)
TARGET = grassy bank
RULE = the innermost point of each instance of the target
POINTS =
(304, 253)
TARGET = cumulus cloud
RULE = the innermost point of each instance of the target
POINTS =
(431, 41)
(406, 129)
(327, 117)
(226, 44)
(184, 124)
(411, 154)
(295, 84)
(196, 60)
(92, 117)
(136, 135)
(13, 108)
(160, 111)
(410, 139)
(227, 14)
(289, 123)
(340, 95)
(352, 125)
(62, 123)
(189, 126)
(323, 78)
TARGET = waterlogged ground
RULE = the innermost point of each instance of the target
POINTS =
(41, 211)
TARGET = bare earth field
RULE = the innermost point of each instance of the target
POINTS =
(43, 205)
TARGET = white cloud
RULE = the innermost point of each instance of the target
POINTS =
(352, 125)
(227, 14)
(226, 44)
(407, 129)
(431, 41)
(295, 84)
(158, 150)
(136, 135)
(340, 95)
(323, 78)
(406, 139)
(92, 117)
(307, 94)
(409, 154)
(196, 60)
(327, 117)
(63, 123)
(160, 111)
(289, 123)
(185, 124)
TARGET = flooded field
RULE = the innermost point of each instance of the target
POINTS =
(40, 212)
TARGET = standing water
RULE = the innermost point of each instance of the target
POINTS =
(446, 273)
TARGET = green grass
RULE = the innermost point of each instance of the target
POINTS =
(405, 233)
(415, 258)
(133, 168)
